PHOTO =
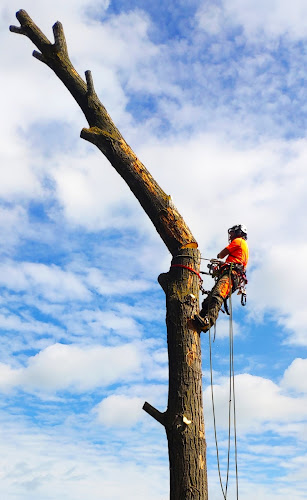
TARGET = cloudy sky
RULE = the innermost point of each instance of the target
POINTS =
(211, 95)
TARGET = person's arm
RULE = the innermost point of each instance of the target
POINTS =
(223, 253)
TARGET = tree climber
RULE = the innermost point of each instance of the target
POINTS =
(230, 275)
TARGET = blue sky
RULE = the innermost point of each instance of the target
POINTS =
(212, 98)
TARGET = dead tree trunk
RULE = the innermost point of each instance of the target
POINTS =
(183, 419)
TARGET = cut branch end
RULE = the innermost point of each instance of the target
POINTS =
(90, 83)
(17, 29)
(39, 56)
(59, 38)
(90, 134)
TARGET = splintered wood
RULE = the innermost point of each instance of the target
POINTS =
(191, 355)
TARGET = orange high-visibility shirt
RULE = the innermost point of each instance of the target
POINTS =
(238, 251)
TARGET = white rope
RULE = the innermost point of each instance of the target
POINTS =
(231, 398)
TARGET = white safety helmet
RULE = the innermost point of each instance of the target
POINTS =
(238, 231)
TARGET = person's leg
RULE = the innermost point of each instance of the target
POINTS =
(212, 304)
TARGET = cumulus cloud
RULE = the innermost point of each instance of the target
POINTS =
(53, 283)
(271, 18)
(18, 178)
(8, 377)
(60, 367)
(91, 193)
(283, 292)
(295, 376)
(259, 186)
(223, 325)
(15, 224)
(111, 286)
(119, 411)
(210, 18)
(88, 192)
(62, 462)
(25, 323)
(100, 323)
(260, 404)
(123, 409)
(217, 118)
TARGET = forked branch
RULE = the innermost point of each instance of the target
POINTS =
(104, 134)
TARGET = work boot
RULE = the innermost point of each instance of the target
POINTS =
(202, 323)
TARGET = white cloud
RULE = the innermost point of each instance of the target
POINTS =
(119, 411)
(223, 325)
(295, 376)
(277, 287)
(83, 191)
(260, 405)
(14, 223)
(8, 377)
(87, 188)
(19, 179)
(62, 464)
(143, 311)
(214, 183)
(264, 186)
(25, 323)
(91, 193)
(210, 18)
(105, 285)
(156, 363)
(273, 17)
(49, 281)
(102, 323)
(123, 408)
(62, 367)
(253, 490)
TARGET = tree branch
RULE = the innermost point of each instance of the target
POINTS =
(153, 412)
(17, 29)
(30, 29)
(90, 84)
(39, 56)
(103, 133)
(59, 39)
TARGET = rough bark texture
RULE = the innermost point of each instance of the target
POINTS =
(184, 416)
(183, 419)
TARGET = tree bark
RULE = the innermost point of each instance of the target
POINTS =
(183, 419)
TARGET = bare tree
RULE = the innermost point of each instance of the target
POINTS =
(183, 419)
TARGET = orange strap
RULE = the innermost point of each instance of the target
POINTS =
(189, 269)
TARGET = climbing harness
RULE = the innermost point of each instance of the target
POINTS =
(218, 268)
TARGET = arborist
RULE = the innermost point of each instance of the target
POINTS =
(230, 276)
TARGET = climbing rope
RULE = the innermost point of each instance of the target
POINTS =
(232, 382)
(214, 421)
(231, 399)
